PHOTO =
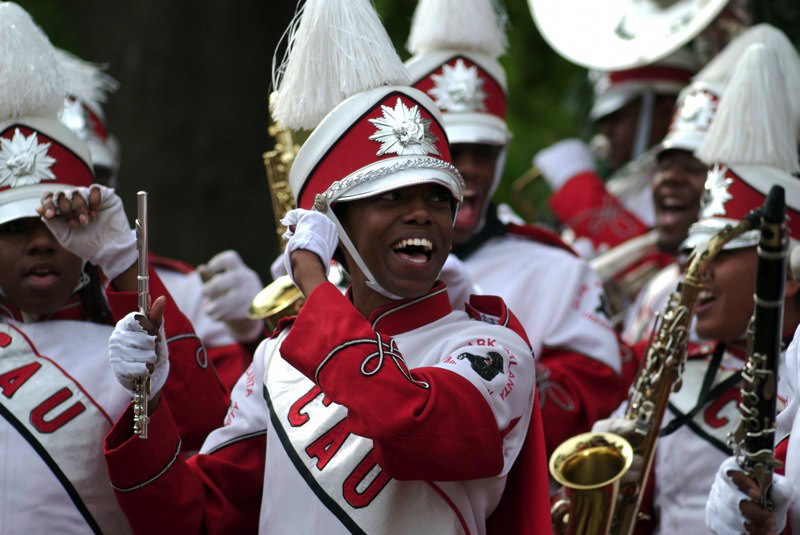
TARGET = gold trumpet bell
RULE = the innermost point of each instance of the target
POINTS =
(281, 298)
(589, 467)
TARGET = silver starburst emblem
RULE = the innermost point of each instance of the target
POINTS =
(459, 89)
(404, 132)
(24, 161)
(716, 192)
(698, 109)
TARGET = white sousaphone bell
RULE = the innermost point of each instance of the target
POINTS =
(613, 35)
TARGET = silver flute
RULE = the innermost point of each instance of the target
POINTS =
(141, 385)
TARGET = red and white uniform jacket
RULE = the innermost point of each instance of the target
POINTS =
(185, 286)
(694, 439)
(560, 302)
(59, 397)
(600, 219)
(408, 422)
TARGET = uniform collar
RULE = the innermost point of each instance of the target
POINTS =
(409, 314)
(72, 310)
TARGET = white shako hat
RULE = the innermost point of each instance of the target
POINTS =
(88, 88)
(615, 89)
(37, 152)
(621, 34)
(698, 103)
(372, 132)
(752, 146)
(456, 44)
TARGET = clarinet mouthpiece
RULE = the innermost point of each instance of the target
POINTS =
(774, 210)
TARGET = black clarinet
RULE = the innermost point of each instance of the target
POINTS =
(753, 442)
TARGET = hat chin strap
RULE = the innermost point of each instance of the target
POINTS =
(644, 124)
(372, 284)
(498, 174)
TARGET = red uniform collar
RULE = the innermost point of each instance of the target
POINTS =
(71, 310)
(409, 314)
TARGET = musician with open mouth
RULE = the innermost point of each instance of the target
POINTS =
(60, 244)
(383, 409)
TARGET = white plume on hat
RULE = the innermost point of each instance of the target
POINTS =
(720, 70)
(463, 25)
(31, 82)
(755, 124)
(336, 49)
(86, 81)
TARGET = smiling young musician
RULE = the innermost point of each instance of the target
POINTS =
(382, 409)
(58, 396)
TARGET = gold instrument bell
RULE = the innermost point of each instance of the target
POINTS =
(279, 299)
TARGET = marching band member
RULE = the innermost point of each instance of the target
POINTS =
(556, 295)
(382, 409)
(679, 179)
(58, 396)
(215, 296)
(639, 47)
(750, 147)
(631, 112)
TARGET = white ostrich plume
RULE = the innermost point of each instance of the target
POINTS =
(754, 123)
(720, 69)
(31, 83)
(468, 25)
(85, 80)
(336, 49)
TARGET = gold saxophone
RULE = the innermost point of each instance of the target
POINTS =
(281, 298)
(658, 377)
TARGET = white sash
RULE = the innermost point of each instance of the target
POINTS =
(63, 424)
(349, 483)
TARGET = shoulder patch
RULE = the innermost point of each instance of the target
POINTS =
(492, 309)
(540, 234)
(487, 366)
(170, 264)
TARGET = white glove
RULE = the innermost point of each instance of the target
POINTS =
(723, 515)
(131, 349)
(107, 242)
(563, 160)
(230, 288)
(624, 428)
(313, 232)
(459, 284)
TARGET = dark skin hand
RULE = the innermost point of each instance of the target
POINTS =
(759, 521)
(78, 213)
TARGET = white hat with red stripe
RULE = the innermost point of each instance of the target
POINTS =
(615, 89)
(37, 152)
(698, 103)
(88, 88)
(456, 44)
(372, 132)
(751, 146)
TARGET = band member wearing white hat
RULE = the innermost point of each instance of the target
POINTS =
(557, 297)
(751, 146)
(382, 409)
(216, 303)
(58, 396)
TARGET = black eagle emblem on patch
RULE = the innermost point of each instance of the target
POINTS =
(487, 366)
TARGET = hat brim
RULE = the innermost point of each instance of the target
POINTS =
(413, 171)
(22, 202)
(480, 128)
(705, 229)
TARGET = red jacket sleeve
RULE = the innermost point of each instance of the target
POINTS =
(196, 396)
(416, 419)
(584, 205)
(574, 392)
(161, 492)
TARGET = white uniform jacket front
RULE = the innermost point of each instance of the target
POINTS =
(404, 423)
